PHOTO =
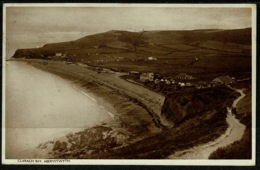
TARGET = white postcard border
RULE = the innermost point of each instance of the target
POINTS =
(132, 161)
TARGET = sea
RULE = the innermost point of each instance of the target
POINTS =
(41, 107)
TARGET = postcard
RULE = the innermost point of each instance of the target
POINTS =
(129, 84)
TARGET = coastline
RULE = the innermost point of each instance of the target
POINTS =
(103, 86)
(136, 118)
(132, 120)
(38, 118)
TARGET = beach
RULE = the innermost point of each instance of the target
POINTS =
(125, 108)
(41, 106)
(133, 113)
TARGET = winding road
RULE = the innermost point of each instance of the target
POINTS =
(234, 133)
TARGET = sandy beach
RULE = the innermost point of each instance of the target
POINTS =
(46, 107)
(95, 83)
(133, 110)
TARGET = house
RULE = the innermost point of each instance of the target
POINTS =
(188, 84)
(151, 58)
(203, 84)
(184, 76)
(146, 77)
(181, 84)
(167, 81)
(57, 54)
(69, 62)
(156, 81)
(223, 80)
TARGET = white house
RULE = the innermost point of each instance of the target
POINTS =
(58, 54)
(146, 77)
(151, 58)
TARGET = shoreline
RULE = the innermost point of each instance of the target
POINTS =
(46, 126)
(131, 119)
(137, 118)
(93, 99)
(143, 99)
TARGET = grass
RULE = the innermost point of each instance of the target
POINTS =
(175, 50)
(238, 150)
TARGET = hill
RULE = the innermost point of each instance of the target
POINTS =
(196, 51)
(180, 105)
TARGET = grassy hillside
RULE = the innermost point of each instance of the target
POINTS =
(198, 51)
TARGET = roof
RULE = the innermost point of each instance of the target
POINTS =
(224, 79)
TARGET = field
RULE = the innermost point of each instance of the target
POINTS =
(200, 52)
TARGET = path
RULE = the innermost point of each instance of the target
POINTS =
(234, 133)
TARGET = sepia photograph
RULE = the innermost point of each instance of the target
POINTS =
(132, 84)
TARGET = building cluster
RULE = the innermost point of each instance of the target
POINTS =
(224, 80)
(146, 77)
(184, 80)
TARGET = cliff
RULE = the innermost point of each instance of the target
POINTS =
(182, 105)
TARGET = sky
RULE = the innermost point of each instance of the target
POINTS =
(29, 27)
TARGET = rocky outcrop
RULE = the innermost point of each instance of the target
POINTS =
(182, 105)
(38, 53)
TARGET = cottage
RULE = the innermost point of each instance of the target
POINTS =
(57, 54)
(167, 82)
(181, 84)
(156, 81)
(151, 58)
(146, 77)
(223, 80)
(69, 62)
